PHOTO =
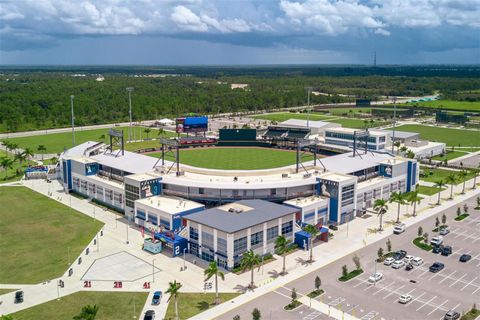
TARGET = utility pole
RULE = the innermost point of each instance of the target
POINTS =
(127, 225)
(129, 90)
(153, 271)
(309, 90)
(73, 120)
(394, 123)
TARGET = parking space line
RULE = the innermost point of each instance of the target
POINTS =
(478, 288)
(428, 302)
(438, 307)
(447, 277)
(417, 298)
(384, 287)
(468, 283)
(435, 274)
(421, 274)
(458, 280)
(394, 291)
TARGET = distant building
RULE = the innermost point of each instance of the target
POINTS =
(377, 139)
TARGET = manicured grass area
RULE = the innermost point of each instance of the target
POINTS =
(315, 293)
(36, 234)
(433, 175)
(111, 306)
(56, 142)
(236, 158)
(420, 242)
(426, 190)
(3, 291)
(449, 104)
(283, 116)
(450, 155)
(452, 137)
(16, 172)
(292, 305)
(349, 111)
(358, 123)
(461, 217)
(472, 314)
(190, 304)
(351, 275)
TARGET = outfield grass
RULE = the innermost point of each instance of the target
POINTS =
(434, 175)
(236, 158)
(36, 233)
(450, 155)
(135, 146)
(190, 304)
(449, 104)
(16, 172)
(350, 111)
(57, 142)
(111, 306)
(452, 137)
(426, 190)
(283, 116)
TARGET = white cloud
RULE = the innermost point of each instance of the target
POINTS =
(187, 20)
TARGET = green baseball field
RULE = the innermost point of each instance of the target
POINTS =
(227, 158)
(57, 142)
(452, 137)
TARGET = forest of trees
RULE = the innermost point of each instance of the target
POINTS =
(33, 99)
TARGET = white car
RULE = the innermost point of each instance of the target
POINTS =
(399, 228)
(405, 298)
(408, 259)
(398, 264)
(417, 261)
(436, 241)
(388, 261)
(375, 277)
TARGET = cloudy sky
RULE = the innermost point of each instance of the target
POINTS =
(186, 32)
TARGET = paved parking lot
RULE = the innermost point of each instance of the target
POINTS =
(457, 286)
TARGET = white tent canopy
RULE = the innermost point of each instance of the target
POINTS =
(166, 122)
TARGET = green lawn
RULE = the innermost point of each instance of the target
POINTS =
(433, 175)
(426, 190)
(3, 291)
(56, 142)
(283, 116)
(452, 137)
(236, 158)
(349, 111)
(190, 304)
(112, 306)
(36, 233)
(358, 123)
(450, 155)
(449, 104)
(134, 146)
(12, 174)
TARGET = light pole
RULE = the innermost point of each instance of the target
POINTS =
(129, 90)
(394, 123)
(375, 273)
(98, 244)
(309, 90)
(127, 225)
(153, 270)
(184, 258)
(73, 120)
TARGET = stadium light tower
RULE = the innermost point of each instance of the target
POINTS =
(130, 89)
(73, 120)
(309, 90)
(394, 122)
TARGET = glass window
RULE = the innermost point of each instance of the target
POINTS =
(222, 245)
(165, 223)
(193, 234)
(207, 240)
(240, 246)
(256, 239)
(140, 214)
(287, 228)
(153, 219)
(272, 233)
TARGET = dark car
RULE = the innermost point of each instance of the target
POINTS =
(437, 266)
(157, 295)
(399, 255)
(446, 251)
(409, 267)
(437, 249)
(465, 258)
(451, 315)
(149, 315)
(19, 297)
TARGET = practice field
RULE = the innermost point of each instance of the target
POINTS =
(359, 123)
(434, 175)
(450, 155)
(283, 116)
(36, 235)
(452, 137)
(57, 142)
(449, 104)
(111, 306)
(227, 158)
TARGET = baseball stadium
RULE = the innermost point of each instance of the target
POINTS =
(217, 197)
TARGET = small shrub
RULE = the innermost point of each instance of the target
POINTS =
(344, 271)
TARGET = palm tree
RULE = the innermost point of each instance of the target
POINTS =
(102, 137)
(439, 184)
(41, 148)
(281, 246)
(20, 157)
(397, 144)
(313, 231)
(28, 153)
(413, 198)
(13, 146)
(173, 290)
(6, 163)
(475, 172)
(249, 261)
(211, 271)
(161, 132)
(451, 179)
(381, 207)
(7, 144)
(462, 175)
(147, 131)
(88, 312)
(399, 198)
(54, 160)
